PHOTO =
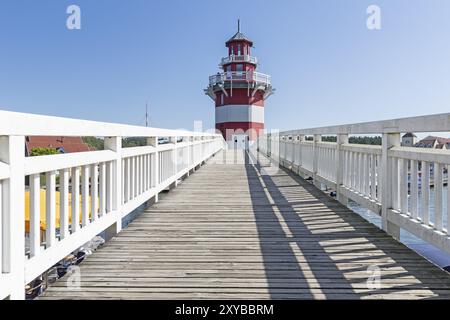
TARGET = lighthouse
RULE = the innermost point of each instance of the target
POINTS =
(239, 92)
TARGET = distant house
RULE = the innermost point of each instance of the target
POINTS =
(409, 140)
(60, 144)
(434, 143)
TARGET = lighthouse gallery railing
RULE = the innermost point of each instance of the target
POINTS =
(393, 181)
(96, 189)
(250, 76)
(235, 58)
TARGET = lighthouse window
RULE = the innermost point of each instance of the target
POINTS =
(239, 67)
(239, 49)
(222, 99)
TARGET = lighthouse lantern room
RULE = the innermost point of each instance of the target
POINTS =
(239, 93)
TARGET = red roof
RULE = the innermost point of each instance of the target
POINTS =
(69, 144)
(429, 142)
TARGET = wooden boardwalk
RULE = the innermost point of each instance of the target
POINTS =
(228, 232)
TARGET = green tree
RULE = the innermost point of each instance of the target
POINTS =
(134, 142)
(94, 142)
(35, 152)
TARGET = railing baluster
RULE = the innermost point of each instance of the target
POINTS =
(448, 199)
(110, 185)
(94, 192)
(64, 203)
(138, 175)
(414, 190)
(50, 205)
(35, 214)
(145, 172)
(127, 182)
(361, 173)
(75, 199)
(378, 174)
(395, 184)
(348, 169)
(102, 189)
(132, 178)
(404, 186)
(367, 175)
(438, 196)
(355, 171)
(373, 183)
(85, 197)
(425, 192)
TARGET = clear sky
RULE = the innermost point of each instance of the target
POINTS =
(327, 67)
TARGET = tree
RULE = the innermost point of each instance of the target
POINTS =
(35, 152)
(95, 143)
(134, 142)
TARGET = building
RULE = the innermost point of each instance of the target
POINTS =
(434, 142)
(409, 140)
(239, 93)
(60, 144)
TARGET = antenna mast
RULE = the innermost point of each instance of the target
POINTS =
(146, 114)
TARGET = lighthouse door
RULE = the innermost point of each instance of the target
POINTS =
(240, 141)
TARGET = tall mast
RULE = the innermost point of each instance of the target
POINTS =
(146, 113)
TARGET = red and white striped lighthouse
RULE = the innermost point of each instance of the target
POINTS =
(239, 92)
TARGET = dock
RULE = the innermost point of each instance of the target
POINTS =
(230, 232)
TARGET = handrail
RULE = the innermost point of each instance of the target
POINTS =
(95, 189)
(393, 181)
(427, 123)
(16, 123)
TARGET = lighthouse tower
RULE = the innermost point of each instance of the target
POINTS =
(239, 93)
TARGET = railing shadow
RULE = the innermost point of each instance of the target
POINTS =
(301, 232)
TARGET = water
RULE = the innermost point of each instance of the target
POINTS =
(432, 253)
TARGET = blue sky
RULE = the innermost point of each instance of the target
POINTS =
(327, 67)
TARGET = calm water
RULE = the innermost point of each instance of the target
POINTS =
(430, 252)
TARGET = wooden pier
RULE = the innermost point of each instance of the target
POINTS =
(229, 232)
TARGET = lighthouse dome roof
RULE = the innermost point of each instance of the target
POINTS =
(239, 36)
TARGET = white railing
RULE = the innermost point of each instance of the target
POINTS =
(250, 76)
(95, 189)
(405, 186)
(244, 58)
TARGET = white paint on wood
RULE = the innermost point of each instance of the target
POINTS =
(35, 214)
(50, 205)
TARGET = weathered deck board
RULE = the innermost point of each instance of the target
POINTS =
(227, 232)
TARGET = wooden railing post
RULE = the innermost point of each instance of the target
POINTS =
(301, 139)
(12, 152)
(188, 154)
(389, 140)
(173, 140)
(115, 144)
(317, 139)
(153, 141)
(340, 167)
(295, 155)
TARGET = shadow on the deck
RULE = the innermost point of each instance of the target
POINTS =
(310, 230)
